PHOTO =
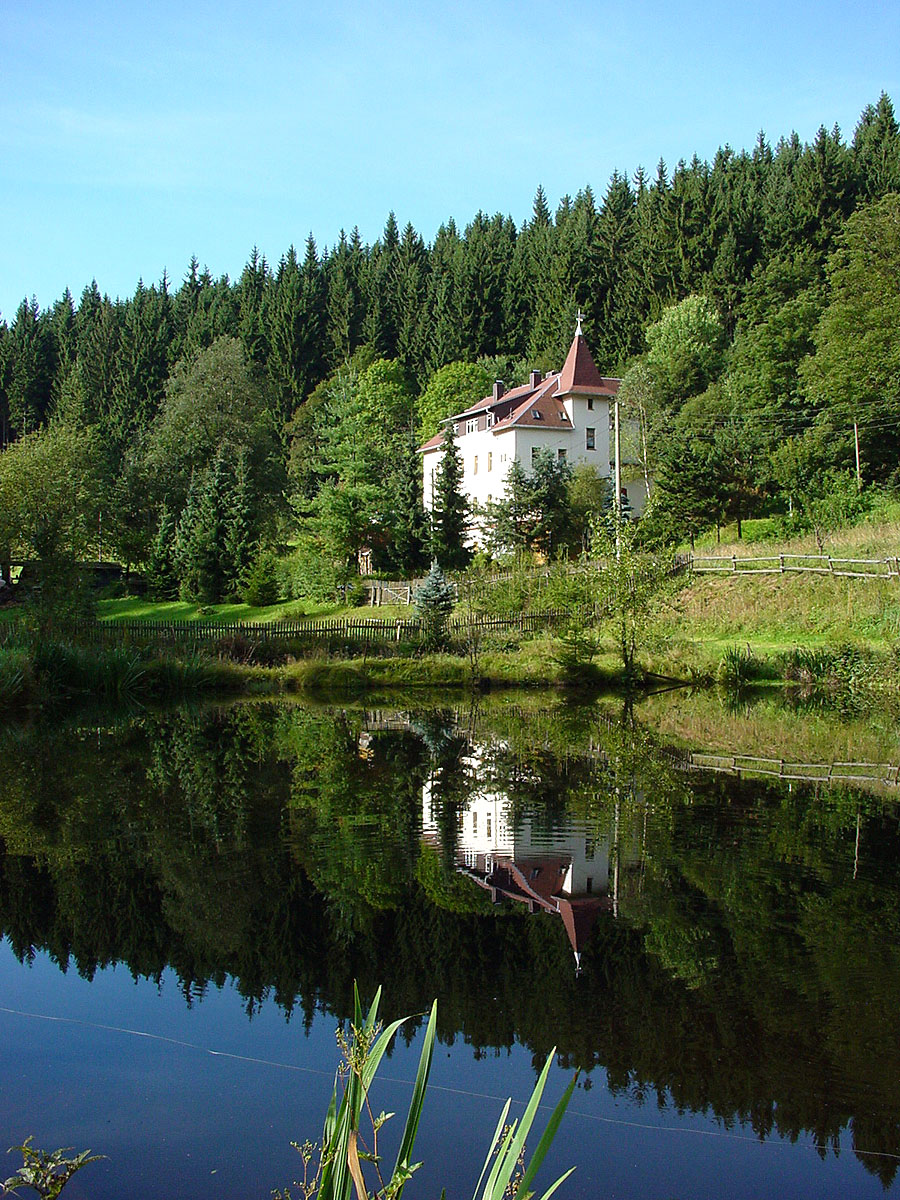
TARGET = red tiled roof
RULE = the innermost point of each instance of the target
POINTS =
(579, 917)
(542, 400)
(523, 389)
(580, 374)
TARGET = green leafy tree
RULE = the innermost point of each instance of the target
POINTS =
(535, 512)
(202, 555)
(213, 399)
(633, 586)
(32, 368)
(142, 365)
(50, 496)
(241, 538)
(686, 348)
(406, 551)
(876, 149)
(686, 499)
(590, 497)
(451, 389)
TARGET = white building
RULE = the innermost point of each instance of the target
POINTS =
(565, 873)
(567, 413)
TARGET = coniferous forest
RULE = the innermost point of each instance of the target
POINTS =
(197, 429)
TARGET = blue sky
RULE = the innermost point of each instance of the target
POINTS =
(135, 134)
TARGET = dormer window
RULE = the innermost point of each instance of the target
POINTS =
(472, 425)
(490, 419)
(564, 416)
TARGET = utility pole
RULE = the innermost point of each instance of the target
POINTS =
(618, 473)
(856, 443)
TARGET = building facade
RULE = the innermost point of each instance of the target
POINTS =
(568, 412)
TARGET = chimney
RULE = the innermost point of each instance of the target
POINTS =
(536, 378)
(499, 388)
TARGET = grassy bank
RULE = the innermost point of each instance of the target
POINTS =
(827, 635)
(129, 608)
(53, 671)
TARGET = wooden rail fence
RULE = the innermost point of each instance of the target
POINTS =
(782, 564)
(779, 768)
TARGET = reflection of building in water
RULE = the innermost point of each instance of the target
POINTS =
(566, 871)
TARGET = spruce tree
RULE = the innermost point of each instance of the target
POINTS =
(406, 551)
(434, 602)
(241, 542)
(449, 509)
(31, 383)
(162, 576)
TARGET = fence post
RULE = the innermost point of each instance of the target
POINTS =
(734, 562)
(781, 562)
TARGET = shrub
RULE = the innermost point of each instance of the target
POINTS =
(738, 667)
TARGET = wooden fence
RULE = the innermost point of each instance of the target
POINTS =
(783, 564)
(710, 564)
(779, 768)
(356, 630)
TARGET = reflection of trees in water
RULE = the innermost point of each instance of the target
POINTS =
(753, 973)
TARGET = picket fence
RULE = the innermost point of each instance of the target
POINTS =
(350, 630)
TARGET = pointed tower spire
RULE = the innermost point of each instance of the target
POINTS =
(579, 373)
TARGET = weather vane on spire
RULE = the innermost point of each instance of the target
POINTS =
(579, 317)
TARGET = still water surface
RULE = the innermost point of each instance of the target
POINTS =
(186, 899)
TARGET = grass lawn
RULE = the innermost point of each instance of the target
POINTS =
(131, 609)
(875, 536)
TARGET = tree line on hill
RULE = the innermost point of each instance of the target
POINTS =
(750, 304)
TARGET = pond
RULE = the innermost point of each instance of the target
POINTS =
(187, 897)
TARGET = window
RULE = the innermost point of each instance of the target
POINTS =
(561, 456)
(538, 416)
(589, 886)
(490, 460)
(590, 404)
(489, 827)
(472, 425)
(475, 465)
(490, 420)
(475, 823)
(590, 439)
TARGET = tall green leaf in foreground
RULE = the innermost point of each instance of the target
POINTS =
(339, 1173)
